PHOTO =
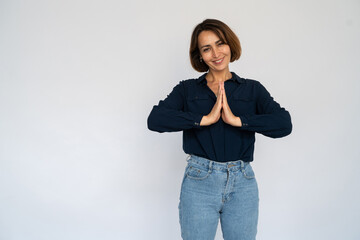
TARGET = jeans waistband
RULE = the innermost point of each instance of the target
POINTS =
(221, 166)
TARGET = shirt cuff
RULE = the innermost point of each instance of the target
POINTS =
(244, 122)
(197, 121)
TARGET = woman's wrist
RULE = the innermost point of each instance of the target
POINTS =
(238, 122)
(204, 121)
(208, 120)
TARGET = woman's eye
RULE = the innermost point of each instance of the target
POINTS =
(206, 49)
(220, 43)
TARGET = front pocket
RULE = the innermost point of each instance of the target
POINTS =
(240, 106)
(201, 104)
(199, 97)
(196, 173)
(248, 171)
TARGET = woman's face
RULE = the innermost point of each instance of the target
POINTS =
(214, 52)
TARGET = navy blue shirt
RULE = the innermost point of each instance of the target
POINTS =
(192, 99)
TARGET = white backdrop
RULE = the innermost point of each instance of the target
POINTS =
(79, 78)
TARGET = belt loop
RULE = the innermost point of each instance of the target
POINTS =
(210, 166)
(188, 157)
(242, 165)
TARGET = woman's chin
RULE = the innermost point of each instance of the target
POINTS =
(219, 68)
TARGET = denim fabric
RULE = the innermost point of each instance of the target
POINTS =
(214, 190)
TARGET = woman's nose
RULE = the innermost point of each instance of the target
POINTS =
(215, 52)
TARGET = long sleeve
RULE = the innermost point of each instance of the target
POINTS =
(191, 99)
(169, 114)
(271, 119)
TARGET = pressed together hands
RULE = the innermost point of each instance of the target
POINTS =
(221, 109)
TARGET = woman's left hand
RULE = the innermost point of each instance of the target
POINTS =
(226, 113)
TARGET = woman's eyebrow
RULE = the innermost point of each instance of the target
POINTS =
(208, 45)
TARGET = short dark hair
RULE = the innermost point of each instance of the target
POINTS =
(223, 32)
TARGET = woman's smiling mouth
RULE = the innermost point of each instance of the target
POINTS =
(219, 61)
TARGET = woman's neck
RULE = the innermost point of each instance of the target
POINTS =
(215, 77)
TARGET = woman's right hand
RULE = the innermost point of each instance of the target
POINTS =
(215, 113)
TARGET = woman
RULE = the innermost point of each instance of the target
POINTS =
(219, 113)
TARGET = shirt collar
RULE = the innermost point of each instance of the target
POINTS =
(234, 77)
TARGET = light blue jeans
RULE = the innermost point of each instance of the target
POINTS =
(212, 190)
